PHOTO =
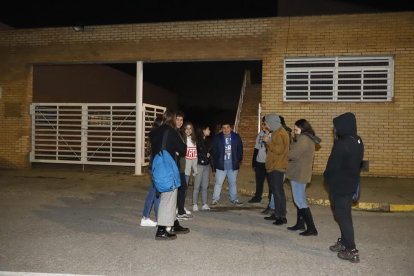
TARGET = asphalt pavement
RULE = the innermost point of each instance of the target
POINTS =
(62, 220)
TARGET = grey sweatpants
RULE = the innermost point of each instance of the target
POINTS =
(191, 165)
(166, 210)
(202, 179)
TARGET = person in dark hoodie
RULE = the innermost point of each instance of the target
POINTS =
(276, 162)
(342, 176)
(299, 171)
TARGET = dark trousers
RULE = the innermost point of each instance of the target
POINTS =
(276, 183)
(261, 175)
(182, 192)
(341, 205)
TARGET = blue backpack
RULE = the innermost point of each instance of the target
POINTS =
(165, 173)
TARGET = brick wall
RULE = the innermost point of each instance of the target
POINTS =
(385, 127)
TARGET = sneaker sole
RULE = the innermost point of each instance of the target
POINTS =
(183, 219)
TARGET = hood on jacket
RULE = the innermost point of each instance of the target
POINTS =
(273, 121)
(345, 125)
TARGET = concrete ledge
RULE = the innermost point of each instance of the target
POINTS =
(383, 207)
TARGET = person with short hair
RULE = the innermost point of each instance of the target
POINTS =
(227, 154)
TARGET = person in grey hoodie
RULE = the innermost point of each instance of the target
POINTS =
(299, 171)
(258, 163)
(276, 161)
(342, 176)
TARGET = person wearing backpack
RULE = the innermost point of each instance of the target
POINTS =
(175, 147)
(342, 177)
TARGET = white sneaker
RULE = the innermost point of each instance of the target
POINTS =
(195, 208)
(205, 207)
(148, 222)
(187, 212)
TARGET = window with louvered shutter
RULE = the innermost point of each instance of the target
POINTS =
(364, 78)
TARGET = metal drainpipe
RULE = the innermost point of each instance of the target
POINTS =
(138, 120)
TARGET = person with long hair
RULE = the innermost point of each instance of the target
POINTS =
(342, 175)
(168, 202)
(299, 171)
(202, 178)
(152, 198)
(189, 138)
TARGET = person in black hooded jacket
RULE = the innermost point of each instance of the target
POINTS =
(342, 176)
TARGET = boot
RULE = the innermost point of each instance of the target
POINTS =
(163, 235)
(178, 229)
(300, 224)
(307, 216)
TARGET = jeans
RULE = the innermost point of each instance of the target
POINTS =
(261, 175)
(341, 205)
(202, 180)
(272, 202)
(151, 197)
(299, 196)
(231, 177)
(276, 182)
(181, 194)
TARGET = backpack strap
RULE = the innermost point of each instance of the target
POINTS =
(164, 140)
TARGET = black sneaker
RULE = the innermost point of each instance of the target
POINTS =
(179, 230)
(280, 221)
(272, 217)
(267, 211)
(337, 247)
(254, 200)
(349, 255)
(184, 217)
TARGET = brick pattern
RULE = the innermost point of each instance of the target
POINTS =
(386, 128)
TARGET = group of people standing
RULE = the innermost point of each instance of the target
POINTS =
(278, 154)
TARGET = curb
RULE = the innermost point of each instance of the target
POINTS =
(383, 207)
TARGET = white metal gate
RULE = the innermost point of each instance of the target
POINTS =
(100, 134)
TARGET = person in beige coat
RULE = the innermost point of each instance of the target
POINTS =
(299, 171)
